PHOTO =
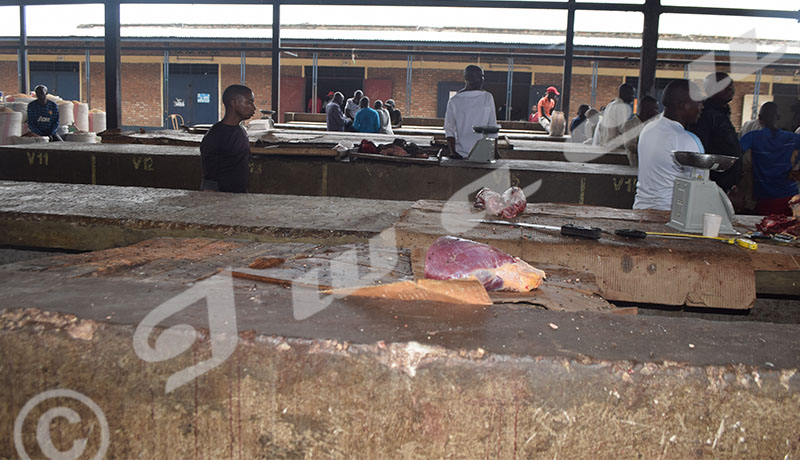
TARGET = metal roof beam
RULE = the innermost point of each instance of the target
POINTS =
(730, 12)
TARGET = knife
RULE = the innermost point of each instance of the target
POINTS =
(591, 233)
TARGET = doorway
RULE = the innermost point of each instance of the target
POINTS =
(345, 80)
(62, 79)
(194, 92)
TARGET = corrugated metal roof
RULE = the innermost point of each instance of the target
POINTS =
(427, 35)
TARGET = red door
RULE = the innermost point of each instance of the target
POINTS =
(376, 89)
(292, 92)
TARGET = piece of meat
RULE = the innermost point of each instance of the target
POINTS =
(394, 150)
(515, 202)
(776, 223)
(508, 205)
(489, 200)
(456, 258)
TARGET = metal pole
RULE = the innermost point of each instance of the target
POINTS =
(649, 54)
(166, 88)
(594, 83)
(314, 89)
(276, 59)
(112, 65)
(756, 93)
(22, 56)
(408, 84)
(686, 73)
(509, 87)
(243, 71)
(566, 84)
(88, 70)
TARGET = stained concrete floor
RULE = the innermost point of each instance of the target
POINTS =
(384, 379)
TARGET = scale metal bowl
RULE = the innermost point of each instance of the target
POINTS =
(704, 160)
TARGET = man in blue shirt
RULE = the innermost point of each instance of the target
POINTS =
(772, 150)
(367, 119)
(43, 116)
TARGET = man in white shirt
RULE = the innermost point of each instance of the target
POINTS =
(614, 116)
(353, 104)
(648, 108)
(657, 166)
(471, 106)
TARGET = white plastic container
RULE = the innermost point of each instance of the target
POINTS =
(21, 107)
(97, 121)
(18, 140)
(81, 116)
(66, 113)
(10, 126)
(88, 138)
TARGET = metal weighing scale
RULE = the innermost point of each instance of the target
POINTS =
(698, 194)
(483, 150)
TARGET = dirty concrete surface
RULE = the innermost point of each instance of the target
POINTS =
(84, 217)
(383, 379)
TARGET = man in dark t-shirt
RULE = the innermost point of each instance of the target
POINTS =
(225, 150)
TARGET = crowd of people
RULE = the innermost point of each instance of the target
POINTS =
(694, 119)
(356, 115)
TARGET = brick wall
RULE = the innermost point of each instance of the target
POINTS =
(581, 93)
(98, 87)
(741, 89)
(425, 88)
(141, 94)
(398, 77)
(8, 77)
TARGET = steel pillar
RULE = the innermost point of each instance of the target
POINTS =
(408, 84)
(112, 65)
(314, 79)
(649, 55)
(276, 58)
(242, 68)
(509, 87)
(22, 56)
(566, 84)
(166, 90)
(88, 70)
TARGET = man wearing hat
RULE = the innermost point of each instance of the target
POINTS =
(394, 114)
(544, 109)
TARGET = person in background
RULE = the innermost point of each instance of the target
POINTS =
(771, 150)
(501, 112)
(648, 108)
(317, 108)
(657, 165)
(327, 100)
(715, 130)
(578, 119)
(545, 106)
(353, 104)
(614, 116)
(742, 197)
(397, 117)
(585, 131)
(334, 118)
(386, 119)
(471, 106)
(367, 119)
(43, 116)
(225, 149)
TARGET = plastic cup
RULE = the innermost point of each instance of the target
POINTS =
(711, 223)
